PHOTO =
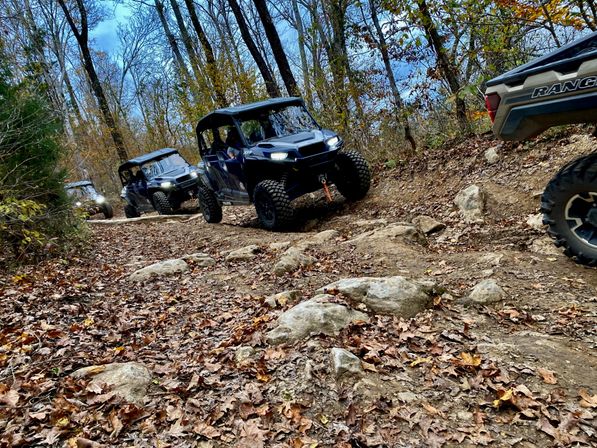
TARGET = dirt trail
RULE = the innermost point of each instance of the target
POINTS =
(522, 372)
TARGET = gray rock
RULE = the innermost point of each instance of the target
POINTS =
(401, 231)
(292, 260)
(244, 253)
(545, 246)
(535, 222)
(371, 223)
(282, 298)
(315, 316)
(471, 203)
(492, 155)
(280, 246)
(319, 238)
(491, 259)
(486, 292)
(128, 380)
(385, 295)
(345, 363)
(243, 354)
(406, 397)
(166, 267)
(199, 259)
(428, 225)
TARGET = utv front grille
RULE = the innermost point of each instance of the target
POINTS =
(183, 178)
(311, 150)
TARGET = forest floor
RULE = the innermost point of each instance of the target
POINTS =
(521, 372)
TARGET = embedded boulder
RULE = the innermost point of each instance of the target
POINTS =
(314, 316)
(282, 298)
(486, 292)
(428, 225)
(395, 231)
(166, 267)
(471, 203)
(244, 253)
(345, 363)
(319, 238)
(199, 259)
(128, 380)
(385, 295)
(292, 260)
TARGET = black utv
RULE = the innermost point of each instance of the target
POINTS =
(269, 153)
(161, 180)
(86, 198)
(558, 88)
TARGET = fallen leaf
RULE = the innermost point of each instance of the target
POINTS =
(587, 401)
(547, 375)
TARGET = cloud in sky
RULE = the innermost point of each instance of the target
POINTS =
(105, 33)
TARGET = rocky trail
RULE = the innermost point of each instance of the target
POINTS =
(433, 313)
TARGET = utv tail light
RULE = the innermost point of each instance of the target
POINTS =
(492, 102)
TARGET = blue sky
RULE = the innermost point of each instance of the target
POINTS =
(105, 33)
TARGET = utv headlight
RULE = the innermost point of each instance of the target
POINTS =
(78, 203)
(333, 141)
(100, 199)
(166, 185)
(194, 174)
(279, 155)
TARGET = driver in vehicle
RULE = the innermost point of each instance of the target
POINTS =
(233, 143)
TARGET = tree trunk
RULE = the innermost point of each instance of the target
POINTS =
(445, 66)
(186, 40)
(270, 83)
(82, 39)
(398, 104)
(212, 69)
(277, 49)
(301, 45)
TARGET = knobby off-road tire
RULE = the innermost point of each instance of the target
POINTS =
(209, 205)
(569, 206)
(352, 177)
(107, 211)
(272, 204)
(130, 211)
(162, 204)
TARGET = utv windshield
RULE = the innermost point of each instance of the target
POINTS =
(82, 192)
(277, 123)
(157, 167)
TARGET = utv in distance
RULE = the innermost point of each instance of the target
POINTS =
(269, 153)
(558, 88)
(86, 198)
(161, 180)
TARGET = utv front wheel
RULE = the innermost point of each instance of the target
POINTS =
(352, 176)
(107, 211)
(209, 205)
(272, 205)
(569, 206)
(161, 203)
(130, 211)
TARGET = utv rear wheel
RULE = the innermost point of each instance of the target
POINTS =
(272, 205)
(209, 205)
(107, 211)
(569, 206)
(352, 176)
(161, 203)
(130, 211)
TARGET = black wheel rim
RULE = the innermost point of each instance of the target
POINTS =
(581, 216)
(265, 208)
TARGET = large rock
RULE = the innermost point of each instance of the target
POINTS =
(244, 253)
(535, 222)
(199, 259)
(385, 295)
(545, 246)
(292, 260)
(428, 225)
(319, 238)
(127, 380)
(471, 203)
(492, 155)
(315, 316)
(395, 231)
(166, 267)
(486, 292)
(345, 363)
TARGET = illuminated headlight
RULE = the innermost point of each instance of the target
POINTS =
(100, 199)
(78, 203)
(166, 185)
(194, 174)
(279, 155)
(333, 141)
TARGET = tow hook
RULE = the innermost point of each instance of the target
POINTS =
(326, 190)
